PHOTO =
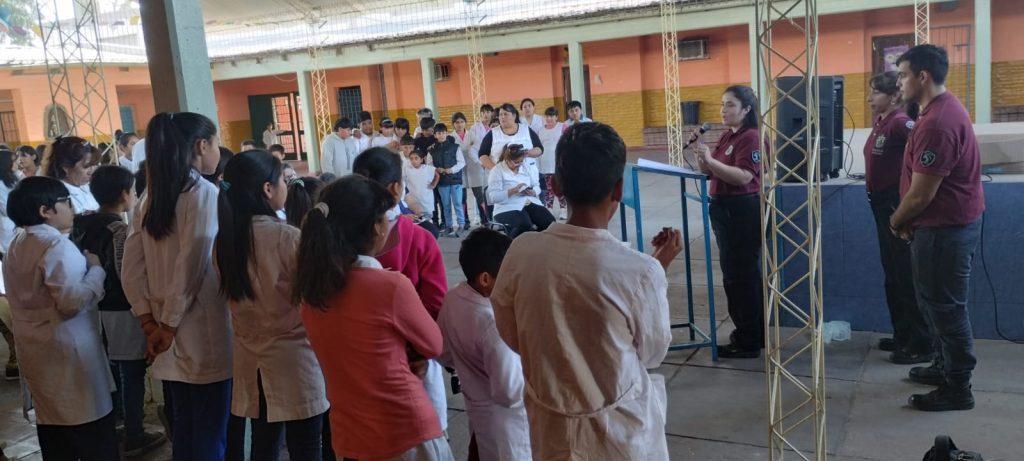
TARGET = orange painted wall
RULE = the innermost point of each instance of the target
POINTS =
(140, 98)
(31, 94)
(1007, 27)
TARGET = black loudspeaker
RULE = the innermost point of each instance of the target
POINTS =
(791, 118)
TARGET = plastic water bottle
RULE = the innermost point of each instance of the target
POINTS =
(836, 330)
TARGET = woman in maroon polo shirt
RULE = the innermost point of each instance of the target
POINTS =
(735, 171)
(883, 160)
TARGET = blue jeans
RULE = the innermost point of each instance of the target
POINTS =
(942, 272)
(200, 420)
(451, 196)
(129, 398)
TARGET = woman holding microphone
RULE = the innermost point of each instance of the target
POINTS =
(735, 171)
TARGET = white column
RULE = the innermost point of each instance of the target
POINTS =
(429, 95)
(577, 84)
(309, 126)
(983, 64)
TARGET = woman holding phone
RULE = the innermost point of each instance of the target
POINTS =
(514, 188)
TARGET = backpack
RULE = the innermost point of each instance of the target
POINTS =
(945, 450)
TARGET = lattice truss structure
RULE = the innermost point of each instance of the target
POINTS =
(478, 87)
(670, 60)
(922, 22)
(69, 43)
(792, 244)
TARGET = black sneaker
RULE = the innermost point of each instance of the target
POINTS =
(944, 398)
(12, 373)
(146, 443)
(733, 351)
(930, 375)
(887, 344)
(906, 357)
(467, 227)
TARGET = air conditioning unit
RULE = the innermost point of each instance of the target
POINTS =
(693, 49)
(442, 72)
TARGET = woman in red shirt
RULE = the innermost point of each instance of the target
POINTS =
(735, 171)
(361, 319)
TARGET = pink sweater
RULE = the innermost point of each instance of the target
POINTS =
(379, 408)
(418, 257)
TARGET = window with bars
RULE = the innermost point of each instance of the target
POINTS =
(442, 72)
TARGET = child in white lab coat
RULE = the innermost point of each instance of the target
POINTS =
(53, 291)
(490, 372)
(168, 277)
(277, 380)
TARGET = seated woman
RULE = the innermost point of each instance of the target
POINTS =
(514, 187)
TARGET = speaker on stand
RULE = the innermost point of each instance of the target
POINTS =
(791, 119)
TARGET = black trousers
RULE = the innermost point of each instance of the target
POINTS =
(910, 331)
(93, 441)
(481, 205)
(736, 221)
(525, 220)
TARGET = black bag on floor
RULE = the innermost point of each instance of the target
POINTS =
(945, 450)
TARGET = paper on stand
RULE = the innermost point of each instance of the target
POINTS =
(644, 163)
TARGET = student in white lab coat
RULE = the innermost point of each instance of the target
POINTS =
(54, 291)
(125, 146)
(364, 134)
(386, 137)
(339, 149)
(168, 277)
(71, 160)
(277, 380)
(490, 372)
(587, 345)
(530, 118)
(475, 173)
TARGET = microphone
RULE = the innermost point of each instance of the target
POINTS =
(693, 138)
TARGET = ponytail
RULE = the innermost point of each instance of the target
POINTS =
(302, 194)
(241, 197)
(170, 150)
(340, 227)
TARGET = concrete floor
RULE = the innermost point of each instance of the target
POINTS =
(718, 411)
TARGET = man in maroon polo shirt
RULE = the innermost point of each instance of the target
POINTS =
(911, 341)
(940, 209)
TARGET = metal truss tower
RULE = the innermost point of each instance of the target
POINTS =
(71, 43)
(670, 60)
(318, 78)
(922, 22)
(478, 87)
(792, 244)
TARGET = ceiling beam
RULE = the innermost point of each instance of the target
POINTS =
(516, 38)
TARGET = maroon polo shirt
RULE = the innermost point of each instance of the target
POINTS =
(883, 152)
(942, 143)
(740, 149)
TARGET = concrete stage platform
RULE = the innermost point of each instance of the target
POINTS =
(718, 411)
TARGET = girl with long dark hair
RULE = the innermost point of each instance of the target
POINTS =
(735, 170)
(169, 280)
(277, 381)
(361, 321)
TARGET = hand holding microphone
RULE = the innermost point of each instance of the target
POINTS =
(697, 134)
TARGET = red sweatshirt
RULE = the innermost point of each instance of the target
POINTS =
(418, 257)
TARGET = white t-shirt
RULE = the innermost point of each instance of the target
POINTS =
(417, 181)
(549, 139)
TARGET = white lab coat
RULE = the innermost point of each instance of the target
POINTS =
(337, 155)
(379, 140)
(53, 299)
(536, 123)
(138, 154)
(588, 316)
(502, 179)
(174, 280)
(6, 224)
(81, 198)
(490, 373)
(549, 140)
(474, 175)
(364, 141)
(269, 335)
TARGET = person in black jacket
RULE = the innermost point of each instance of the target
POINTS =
(103, 233)
(449, 162)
